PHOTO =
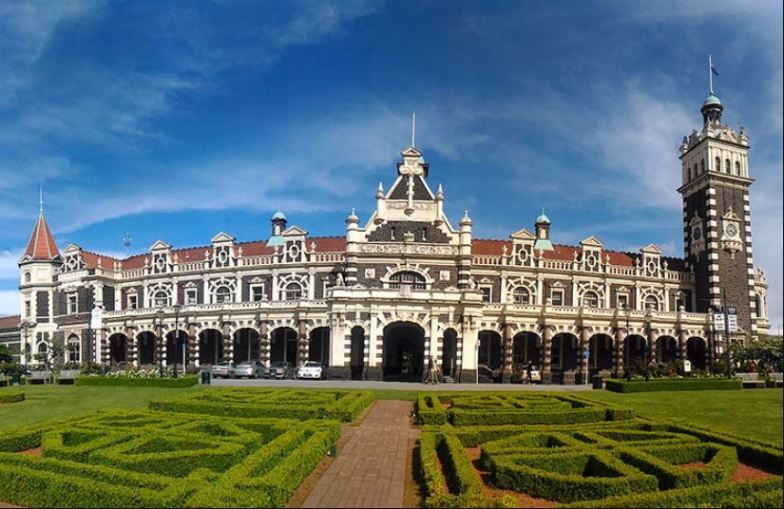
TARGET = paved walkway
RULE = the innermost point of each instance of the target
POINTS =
(370, 469)
(406, 386)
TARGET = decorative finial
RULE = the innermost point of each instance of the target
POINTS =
(41, 200)
(413, 129)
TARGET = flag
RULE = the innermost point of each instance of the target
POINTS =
(713, 70)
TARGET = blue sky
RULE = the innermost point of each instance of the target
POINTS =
(175, 120)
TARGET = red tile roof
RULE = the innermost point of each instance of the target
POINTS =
(9, 322)
(41, 245)
(192, 254)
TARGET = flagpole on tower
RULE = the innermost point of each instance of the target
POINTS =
(413, 129)
(710, 73)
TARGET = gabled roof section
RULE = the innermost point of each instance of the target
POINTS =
(523, 234)
(293, 231)
(592, 241)
(652, 249)
(9, 322)
(41, 246)
(160, 245)
(222, 237)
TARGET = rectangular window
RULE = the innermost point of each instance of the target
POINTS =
(487, 293)
(557, 297)
(257, 293)
(190, 296)
(623, 301)
(73, 304)
(680, 303)
(557, 352)
(133, 302)
(27, 308)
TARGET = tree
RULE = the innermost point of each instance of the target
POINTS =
(5, 354)
(767, 352)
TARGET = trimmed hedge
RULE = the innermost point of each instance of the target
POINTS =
(153, 459)
(183, 381)
(759, 494)
(11, 397)
(284, 403)
(672, 384)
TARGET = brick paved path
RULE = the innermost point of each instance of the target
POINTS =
(370, 469)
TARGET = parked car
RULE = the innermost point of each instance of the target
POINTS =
(312, 370)
(222, 370)
(248, 369)
(281, 369)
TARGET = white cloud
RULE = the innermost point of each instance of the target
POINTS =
(8, 266)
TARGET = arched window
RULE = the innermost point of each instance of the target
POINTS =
(407, 278)
(717, 166)
(73, 349)
(702, 165)
(161, 299)
(737, 168)
(521, 295)
(223, 295)
(590, 299)
(27, 277)
(689, 177)
(293, 291)
(42, 348)
(727, 166)
(652, 303)
(695, 171)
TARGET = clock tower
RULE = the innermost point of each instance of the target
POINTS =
(717, 217)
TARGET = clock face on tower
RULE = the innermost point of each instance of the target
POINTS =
(731, 229)
(696, 233)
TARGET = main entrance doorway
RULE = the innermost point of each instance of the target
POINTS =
(404, 352)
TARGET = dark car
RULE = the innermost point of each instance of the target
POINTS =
(281, 369)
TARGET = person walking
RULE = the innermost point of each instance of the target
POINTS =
(431, 368)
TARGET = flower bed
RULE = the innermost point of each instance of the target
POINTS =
(673, 384)
(183, 381)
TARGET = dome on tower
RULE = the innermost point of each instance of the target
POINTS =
(712, 99)
(542, 219)
(279, 215)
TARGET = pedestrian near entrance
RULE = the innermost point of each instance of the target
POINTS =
(431, 371)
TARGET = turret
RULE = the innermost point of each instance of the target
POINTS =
(278, 226)
(542, 226)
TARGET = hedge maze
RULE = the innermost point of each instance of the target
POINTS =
(584, 455)
(177, 459)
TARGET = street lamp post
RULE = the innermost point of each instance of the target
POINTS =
(177, 339)
(159, 315)
(647, 352)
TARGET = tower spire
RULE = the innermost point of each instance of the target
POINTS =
(41, 199)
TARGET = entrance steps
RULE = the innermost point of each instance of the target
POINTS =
(448, 380)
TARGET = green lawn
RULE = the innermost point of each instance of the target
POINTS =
(755, 413)
(47, 402)
(752, 413)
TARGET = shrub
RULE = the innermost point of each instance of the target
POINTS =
(429, 410)
(183, 381)
(11, 397)
(673, 384)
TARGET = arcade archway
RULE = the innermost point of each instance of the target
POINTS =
(404, 352)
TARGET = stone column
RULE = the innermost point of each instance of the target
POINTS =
(264, 342)
(620, 361)
(193, 346)
(683, 338)
(547, 352)
(651, 345)
(506, 374)
(228, 343)
(585, 340)
(302, 342)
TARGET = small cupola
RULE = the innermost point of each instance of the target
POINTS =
(542, 226)
(278, 227)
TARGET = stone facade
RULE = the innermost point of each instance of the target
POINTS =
(407, 285)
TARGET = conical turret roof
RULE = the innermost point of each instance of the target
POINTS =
(41, 246)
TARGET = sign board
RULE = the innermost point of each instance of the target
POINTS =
(718, 321)
(732, 323)
(96, 318)
(687, 366)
